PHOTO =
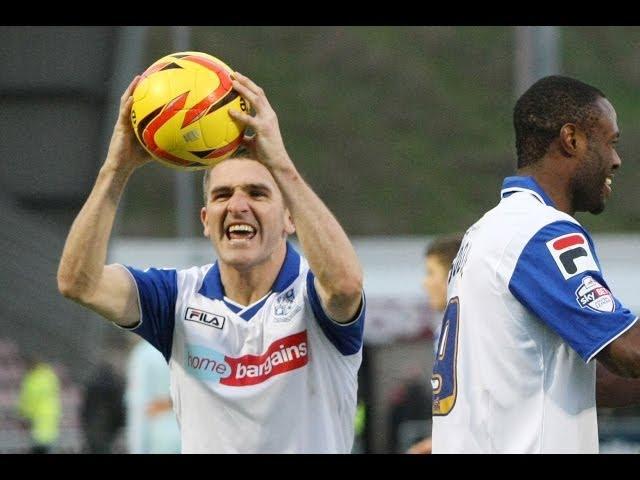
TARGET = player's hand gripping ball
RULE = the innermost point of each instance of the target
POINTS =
(180, 111)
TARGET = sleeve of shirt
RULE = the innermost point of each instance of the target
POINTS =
(558, 278)
(157, 293)
(346, 337)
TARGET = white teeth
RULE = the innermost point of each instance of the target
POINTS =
(241, 228)
(608, 182)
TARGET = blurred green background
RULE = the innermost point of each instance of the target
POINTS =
(403, 130)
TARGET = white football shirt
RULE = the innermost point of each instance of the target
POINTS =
(528, 309)
(277, 376)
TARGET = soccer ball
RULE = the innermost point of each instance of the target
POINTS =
(180, 111)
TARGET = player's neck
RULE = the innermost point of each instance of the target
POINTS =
(553, 183)
(246, 286)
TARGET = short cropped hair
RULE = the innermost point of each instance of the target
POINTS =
(545, 107)
(445, 248)
(241, 153)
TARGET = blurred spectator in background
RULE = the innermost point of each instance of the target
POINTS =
(439, 256)
(151, 423)
(39, 404)
(360, 424)
(102, 412)
(409, 413)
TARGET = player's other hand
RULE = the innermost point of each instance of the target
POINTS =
(125, 152)
(266, 145)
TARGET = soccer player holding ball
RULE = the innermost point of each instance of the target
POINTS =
(263, 345)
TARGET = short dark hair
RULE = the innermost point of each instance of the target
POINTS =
(545, 107)
(445, 247)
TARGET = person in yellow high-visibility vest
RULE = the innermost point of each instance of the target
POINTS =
(39, 404)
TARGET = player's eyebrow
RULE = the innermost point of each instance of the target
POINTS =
(263, 187)
(257, 186)
(220, 189)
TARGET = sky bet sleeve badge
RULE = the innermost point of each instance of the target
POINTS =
(592, 295)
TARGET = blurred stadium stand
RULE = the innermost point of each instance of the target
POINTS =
(53, 96)
(14, 435)
(32, 312)
(52, 111)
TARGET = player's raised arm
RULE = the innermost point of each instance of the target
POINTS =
(82, 274)
(332, 258)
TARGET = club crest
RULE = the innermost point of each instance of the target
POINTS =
(285, 307)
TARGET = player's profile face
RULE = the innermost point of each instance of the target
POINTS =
(592, 183)
(245, 216)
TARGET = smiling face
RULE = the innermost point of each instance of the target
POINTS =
(244, 216)
(591, 183)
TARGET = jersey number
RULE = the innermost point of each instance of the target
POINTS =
(443, 380)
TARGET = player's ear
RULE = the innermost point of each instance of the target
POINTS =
(572, 140)
(289, 226)
(203, 219)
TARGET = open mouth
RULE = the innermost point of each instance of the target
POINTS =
(240, 231)
(607, 184)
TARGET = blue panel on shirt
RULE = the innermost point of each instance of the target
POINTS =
(249, 313)
(515, 184)
(346, 338)
(212, 283)
(158, 290)
(580, 308)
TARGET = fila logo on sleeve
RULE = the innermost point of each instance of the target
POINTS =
(572, 254)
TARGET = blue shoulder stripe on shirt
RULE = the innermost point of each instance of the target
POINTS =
(553, 288)
(346, 338)
(157, 291)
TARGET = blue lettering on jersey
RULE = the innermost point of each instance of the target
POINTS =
(461, 258)
(206, 364)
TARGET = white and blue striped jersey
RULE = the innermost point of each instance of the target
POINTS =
(528, 310)
(277, 376)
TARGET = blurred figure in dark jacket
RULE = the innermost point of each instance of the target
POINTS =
(103, 413)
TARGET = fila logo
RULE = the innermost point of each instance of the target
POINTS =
(205, 318)
(572, 254)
